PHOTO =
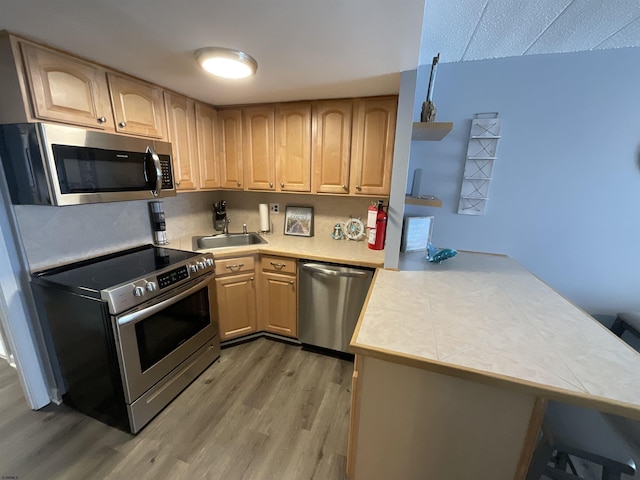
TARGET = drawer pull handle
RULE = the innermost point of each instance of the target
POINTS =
(235, 265)
(278, 265)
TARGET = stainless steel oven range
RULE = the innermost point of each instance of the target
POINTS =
(128, 331)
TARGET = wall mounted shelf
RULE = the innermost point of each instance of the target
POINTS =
(430, 131)
(481, 153)
(423, 200)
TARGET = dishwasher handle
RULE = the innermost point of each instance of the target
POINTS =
(334, 271)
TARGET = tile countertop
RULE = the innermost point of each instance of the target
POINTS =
(486, 318)
(320, 248)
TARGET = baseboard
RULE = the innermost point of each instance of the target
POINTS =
(254, 336)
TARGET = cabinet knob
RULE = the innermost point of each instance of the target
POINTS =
(251, 279)
(344, 187)
(122, 124)
(281, 184)
(178, 183)
(270, 184)
(102, 120)
(239, 183)
(358, 187)
(291, 282)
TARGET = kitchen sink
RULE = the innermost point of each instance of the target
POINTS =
(227, 240)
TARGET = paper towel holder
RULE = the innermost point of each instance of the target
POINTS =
(264, 218)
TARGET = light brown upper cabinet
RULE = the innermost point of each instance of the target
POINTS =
(331, 146)
(181, 115)
(230, 148)
(374, 128)
(138, 107)
(293, 147)
(258, 147)
(65, 89)
(206, 127)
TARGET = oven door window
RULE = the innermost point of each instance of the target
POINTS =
(160, 334)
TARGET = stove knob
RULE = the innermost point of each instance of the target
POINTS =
(151, 287)
(209, 262)
(201, 266)
(193, 268)
(138, 292)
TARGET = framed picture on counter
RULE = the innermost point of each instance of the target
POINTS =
(298, 221)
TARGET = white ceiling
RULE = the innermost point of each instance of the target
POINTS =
(314, 48)
(479, 29)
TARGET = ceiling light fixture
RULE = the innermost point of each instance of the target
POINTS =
(226, 62)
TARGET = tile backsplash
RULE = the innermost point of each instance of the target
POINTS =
(57, 235)
(242, 207)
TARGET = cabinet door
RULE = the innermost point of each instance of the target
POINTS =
(293, 152)
(67, 90)
(230, 144)
(374, 130)
(206, 119)
(258, 136)
(279, 304)
(236, 305)
(331, 146)
(182, 135)
(138, 107)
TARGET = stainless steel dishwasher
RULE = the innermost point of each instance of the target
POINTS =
(330, 299)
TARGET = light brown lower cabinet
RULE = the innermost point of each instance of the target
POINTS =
(409, 422)
(278, 298)
(236, 292)
(260, 298)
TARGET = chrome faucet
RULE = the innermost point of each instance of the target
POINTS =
(225, 226)
(244, 229)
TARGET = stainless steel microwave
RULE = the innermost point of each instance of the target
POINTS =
(47, 164)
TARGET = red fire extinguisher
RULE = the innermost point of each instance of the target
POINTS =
(377, 233)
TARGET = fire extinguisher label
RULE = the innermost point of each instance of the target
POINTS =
(372, 213)
(372, 236)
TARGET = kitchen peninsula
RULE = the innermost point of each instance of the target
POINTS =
(455, 363)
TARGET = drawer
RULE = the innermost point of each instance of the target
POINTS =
(278, 264)
(228, 266)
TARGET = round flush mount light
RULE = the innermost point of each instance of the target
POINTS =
(226, 62)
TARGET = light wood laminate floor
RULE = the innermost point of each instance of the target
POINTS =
(264, 410)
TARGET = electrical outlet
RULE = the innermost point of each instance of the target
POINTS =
(274, 208)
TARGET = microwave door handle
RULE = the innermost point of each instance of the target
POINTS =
(156, 164)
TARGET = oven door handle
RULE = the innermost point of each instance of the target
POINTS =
(147, 312)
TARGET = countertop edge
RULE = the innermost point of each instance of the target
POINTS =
(503, 381)
(269, 249)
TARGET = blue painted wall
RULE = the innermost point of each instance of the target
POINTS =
(565, 195)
